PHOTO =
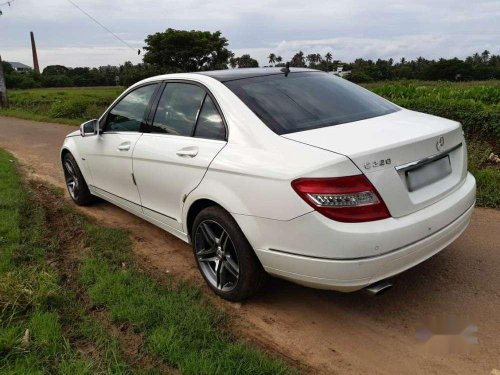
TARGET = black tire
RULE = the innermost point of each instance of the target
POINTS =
(233, 250)
(77, 187)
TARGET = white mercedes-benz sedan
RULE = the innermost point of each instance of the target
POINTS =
(290, 172)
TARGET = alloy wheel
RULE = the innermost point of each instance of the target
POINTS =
(216, 255)
(71, 179)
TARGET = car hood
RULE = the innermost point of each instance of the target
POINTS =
(73, 134)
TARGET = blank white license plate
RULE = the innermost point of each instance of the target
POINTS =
(428, 173)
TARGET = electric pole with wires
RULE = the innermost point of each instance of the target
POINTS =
(4, 103)
(3, 88)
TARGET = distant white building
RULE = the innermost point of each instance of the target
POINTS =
(341, 72)
(20, 67)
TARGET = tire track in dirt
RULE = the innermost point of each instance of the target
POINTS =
(327, 331)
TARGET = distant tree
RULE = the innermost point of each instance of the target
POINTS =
(130, 73)
(16, 80)
(311, 58)
(56, 80)
(485, 56)
(272, 58)
(187, 51)
(55, 70)
(328, 57)
(7, 68)
(244, 61)
(279, 59)
(298, 60)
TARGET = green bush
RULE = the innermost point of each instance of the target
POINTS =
(58, 80)
(20, 81)
(72, 108)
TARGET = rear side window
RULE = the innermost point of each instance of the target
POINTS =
(129, 113)
(303, 101)
(178, 109)
(210, 124)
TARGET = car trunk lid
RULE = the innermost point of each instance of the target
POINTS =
(412, 159)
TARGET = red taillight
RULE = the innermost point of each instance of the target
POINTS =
(350, 199)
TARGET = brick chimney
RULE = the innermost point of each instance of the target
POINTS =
(36, 68)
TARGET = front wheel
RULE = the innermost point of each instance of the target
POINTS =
(225, 258)
(77, 187)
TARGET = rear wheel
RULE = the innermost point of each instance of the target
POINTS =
(77, 187)
(224, 256)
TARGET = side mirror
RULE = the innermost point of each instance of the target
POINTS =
(89, 128)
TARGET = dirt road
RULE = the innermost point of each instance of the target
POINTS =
(331, 332)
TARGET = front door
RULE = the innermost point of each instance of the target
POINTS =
(109, 155)
(171, 159)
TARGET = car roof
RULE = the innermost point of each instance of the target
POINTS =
(242, 73)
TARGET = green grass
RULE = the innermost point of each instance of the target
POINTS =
(487, 176)
(35, 307)
(488, 187)
(61, 105)
(177, 324)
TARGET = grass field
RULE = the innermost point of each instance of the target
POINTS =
(73, 300)
(63, 105)
(475, 104)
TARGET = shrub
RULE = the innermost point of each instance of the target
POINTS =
(58, 80)
(71, 108)
(20, 81)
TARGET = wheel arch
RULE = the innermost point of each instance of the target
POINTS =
(70, 146)
(64, 152)
(195, 208)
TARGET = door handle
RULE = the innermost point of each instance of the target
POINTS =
(189, 152)
(124, 146)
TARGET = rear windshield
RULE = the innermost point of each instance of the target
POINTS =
(304, 101)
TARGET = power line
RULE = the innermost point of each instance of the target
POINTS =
(7, 3)
(100, 24)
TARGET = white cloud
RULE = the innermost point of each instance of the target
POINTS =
(370, 29)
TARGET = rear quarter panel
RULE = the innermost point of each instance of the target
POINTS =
(257, 182)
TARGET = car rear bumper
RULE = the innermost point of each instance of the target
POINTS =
(335, 262)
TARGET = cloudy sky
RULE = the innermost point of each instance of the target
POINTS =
(349, 29)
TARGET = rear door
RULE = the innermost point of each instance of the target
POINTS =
(171, 159)
(109, 155)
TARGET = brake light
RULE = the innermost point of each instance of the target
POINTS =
(350, 199)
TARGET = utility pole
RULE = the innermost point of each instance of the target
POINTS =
(36, 68)
(3, 88)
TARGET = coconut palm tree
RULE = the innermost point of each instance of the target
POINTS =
(311, 58)
(298, 60)
(328, 57)
(279, 59)
(272, 58)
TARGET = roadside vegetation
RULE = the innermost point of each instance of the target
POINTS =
(63, 105)
(74, 301)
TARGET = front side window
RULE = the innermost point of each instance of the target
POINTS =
(130, 112)
(210, 124)
(303, 101)
(178, 109)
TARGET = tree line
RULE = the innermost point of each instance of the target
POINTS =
(187, 51)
